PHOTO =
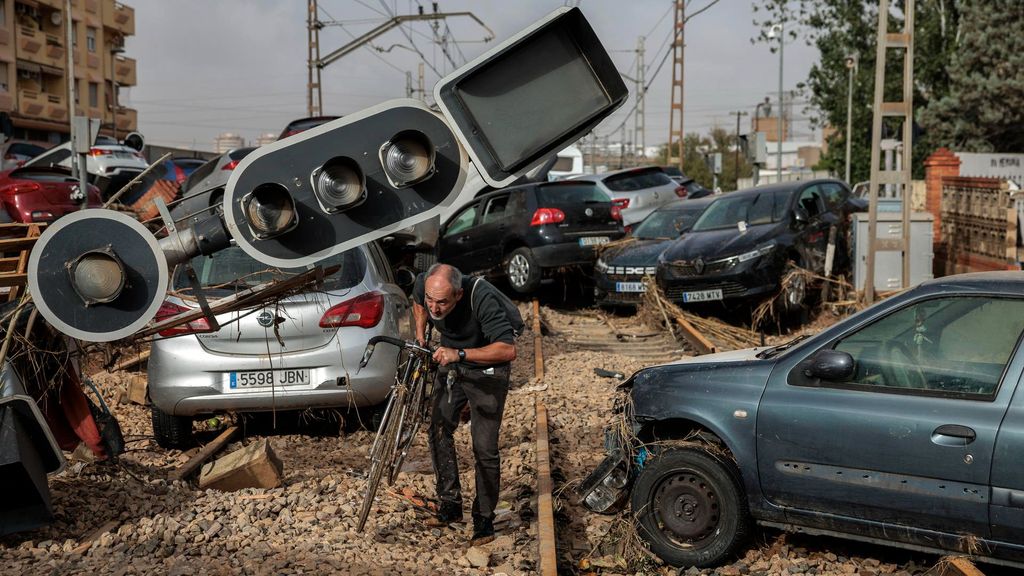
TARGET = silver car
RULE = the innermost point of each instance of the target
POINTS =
(302, 352)
(637, 191)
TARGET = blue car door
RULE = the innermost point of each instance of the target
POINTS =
(909, 438)
(1007, 508)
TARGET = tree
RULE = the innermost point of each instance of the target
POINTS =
(842, 27)
(696, 149)
(983, 110)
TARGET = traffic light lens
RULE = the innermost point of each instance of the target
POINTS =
(270, 210)
(408, 158)
(98, 277)
(339, 184)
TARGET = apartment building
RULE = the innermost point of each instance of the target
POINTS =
(34, 62)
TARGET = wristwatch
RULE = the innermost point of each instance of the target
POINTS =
(462, 355)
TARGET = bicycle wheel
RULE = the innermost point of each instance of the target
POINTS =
(383, 448)
(412, 417)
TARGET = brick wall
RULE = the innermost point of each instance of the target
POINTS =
(941, 164)
(979, 226)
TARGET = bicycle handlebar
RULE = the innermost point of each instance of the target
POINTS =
(397, 342)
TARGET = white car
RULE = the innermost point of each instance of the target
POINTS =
(110, 164)
(637, 191)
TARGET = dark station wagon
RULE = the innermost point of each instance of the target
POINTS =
(525, 233)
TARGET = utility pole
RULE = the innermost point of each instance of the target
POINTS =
(736, 162)
(408, 84)
(675, 125)
(639, 119)
(314, 94)
(900, 177)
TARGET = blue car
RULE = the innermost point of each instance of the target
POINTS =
(619, 272)
(901, 425)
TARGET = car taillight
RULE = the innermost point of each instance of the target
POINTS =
(168, 310)
(622, 203)
(230, 165)
(100, 152)
(628, 229)
(616, 213)
(364, 311)
(547, 216)
(681, 191)
(42, 216)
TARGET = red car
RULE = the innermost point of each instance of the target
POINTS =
(40, 194)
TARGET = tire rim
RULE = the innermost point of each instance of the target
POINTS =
(518, 270)
(686, 509)
(796, 291)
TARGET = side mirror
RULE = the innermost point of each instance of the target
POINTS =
(800, 216)
(829, 365)
(405, 278)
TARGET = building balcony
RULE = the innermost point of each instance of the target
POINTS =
(6, 100)
(5, 36)
(119, 17)
(124, 71)
(32, 103)
(54, 52)
(55, 107)
(55, 4)
(127, 119)
(30, 44)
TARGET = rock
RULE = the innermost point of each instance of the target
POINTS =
(478, 557)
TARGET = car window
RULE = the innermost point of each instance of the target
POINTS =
(728, 211)
(630, 181)
(835, 196)
(495, 209)
(53, 157)
(462, 222)
(25, 149)
(811, 200)
(570, 194)
(380, 262)
(946, 346)
(199, 174)
(233, 269)
(666, 224)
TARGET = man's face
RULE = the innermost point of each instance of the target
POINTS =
(440, 297)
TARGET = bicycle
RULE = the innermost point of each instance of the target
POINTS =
(406, 410)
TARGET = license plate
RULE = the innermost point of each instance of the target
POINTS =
(266, 379)
(702, 296)
(593, 240)
(630, 287)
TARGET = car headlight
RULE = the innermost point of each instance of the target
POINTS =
(601, 266)
(761, 251)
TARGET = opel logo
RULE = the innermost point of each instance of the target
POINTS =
(266, 319)
(698, 265)
(589, 211)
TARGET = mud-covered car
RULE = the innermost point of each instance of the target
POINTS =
(901, 425)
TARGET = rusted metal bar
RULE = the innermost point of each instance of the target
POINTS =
(695, 338)
(538, 356)
(545, 509)
(203, 455)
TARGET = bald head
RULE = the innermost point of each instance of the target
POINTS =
(442, 290)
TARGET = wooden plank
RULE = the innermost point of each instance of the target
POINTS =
(538, 340)
(954, 566)
(128, 363)
(253, 466)
(17, 244)
(545, 510)
(13, 279)
(93, 536)
(203, 455)
(9, 264)
(22, 268)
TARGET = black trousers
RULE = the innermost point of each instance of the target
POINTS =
(485, 392)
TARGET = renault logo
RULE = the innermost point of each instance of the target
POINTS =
(589, 211)
(266, 319)
(698, 265)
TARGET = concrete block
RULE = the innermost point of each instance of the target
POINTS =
(254, 466)
(137, 390)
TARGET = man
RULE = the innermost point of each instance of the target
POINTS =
(477, 342)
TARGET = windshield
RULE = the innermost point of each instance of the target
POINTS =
(636, 180)
(583, 193)
(666, 224)
(729, 211)
(233, 269)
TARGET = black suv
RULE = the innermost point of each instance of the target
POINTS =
(739, 247)
(525, 232)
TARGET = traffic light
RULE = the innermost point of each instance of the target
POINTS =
(392, 166)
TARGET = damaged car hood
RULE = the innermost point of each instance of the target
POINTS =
(715, 244)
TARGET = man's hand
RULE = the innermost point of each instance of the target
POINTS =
(445, 356)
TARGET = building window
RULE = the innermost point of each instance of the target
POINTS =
(3, 76)
(3, 13)
(94, 95)
(90, 39)
(74, 34)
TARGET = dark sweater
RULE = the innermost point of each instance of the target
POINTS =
(461, 328)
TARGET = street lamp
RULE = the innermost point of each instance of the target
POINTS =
(776, 31)
(851, 65)
(114, 51)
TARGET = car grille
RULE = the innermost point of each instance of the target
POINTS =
(728, 289)
(681, 269)
(629, 273)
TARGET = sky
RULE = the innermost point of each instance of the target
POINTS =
(207, 67)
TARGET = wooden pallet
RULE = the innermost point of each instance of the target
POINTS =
(16, 242)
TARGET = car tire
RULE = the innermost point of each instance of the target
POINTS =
(793, 298)
(171, 431)
(423, 261)
(690, 507)
(522, 271)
